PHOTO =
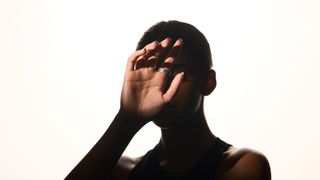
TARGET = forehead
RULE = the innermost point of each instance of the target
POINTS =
(185, 61)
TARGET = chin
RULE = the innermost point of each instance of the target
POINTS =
(166, 121)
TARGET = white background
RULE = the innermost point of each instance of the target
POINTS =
(62, 64)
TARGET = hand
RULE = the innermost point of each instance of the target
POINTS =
(143, 94)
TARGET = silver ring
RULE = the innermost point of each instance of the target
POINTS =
(164, 70)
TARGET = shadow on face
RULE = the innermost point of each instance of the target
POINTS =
(189, 97)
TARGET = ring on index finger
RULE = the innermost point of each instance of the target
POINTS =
(164, 70)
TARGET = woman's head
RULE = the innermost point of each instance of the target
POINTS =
(195, 44)
(194, 59)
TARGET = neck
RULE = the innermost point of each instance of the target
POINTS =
(191, 139)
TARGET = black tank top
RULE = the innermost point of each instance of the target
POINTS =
(149, 167)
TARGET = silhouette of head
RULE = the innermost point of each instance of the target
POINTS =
(194, 59)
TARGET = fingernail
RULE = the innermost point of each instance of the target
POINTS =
(166, 42)
(180, 39)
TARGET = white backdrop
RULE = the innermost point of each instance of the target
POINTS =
(62, 64)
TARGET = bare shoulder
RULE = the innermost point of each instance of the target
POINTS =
(245, 164)
(124, 166)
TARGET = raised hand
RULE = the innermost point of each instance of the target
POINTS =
(144, 94)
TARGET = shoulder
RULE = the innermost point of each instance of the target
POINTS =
(124, 167)
(245, 164)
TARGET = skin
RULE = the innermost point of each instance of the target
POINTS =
(148, 95)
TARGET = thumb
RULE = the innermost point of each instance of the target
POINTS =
(167, 96)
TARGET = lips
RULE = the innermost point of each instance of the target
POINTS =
(169, 108)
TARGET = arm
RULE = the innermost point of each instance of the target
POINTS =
(253, 166)
(142, 85)
(101, 159)
(246, 164)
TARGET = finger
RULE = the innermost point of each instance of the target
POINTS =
(142, 60)
(173, 87)
(165, 43)
(156, 47)
(139, 54)
(154, 50)
(133, 58)
(174, 52)
(161, 52)
(152, 62)
(151, 46)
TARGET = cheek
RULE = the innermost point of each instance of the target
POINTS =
(186, 89)
(188, 97)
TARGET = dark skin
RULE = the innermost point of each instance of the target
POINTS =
(148, 95)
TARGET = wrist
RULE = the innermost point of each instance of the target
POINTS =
(130, 119)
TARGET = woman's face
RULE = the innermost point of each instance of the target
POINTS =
(187, 100)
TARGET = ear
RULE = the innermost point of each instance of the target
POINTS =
(210, 84)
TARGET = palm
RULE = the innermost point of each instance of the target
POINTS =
(143, 94)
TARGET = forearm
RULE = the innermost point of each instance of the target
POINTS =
(102, 158)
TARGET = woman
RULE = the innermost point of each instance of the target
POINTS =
(165, 82)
